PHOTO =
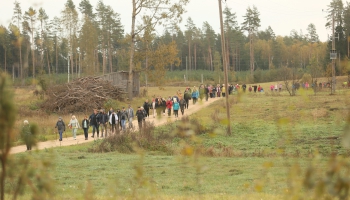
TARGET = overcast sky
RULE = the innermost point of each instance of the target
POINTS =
(281, 15)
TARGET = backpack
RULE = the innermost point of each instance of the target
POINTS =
(59, 123)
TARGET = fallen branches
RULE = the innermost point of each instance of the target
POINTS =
(81, 95)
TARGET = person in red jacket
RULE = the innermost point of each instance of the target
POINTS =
(169, 105)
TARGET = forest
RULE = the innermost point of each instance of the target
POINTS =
(95, 42)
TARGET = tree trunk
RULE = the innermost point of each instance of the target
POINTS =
(132, 49)
(103, 61)
(3, 175)
(72, 65)
(20, 59)
(33, 52)
(110, 54)
(76, 64)
(33, 63)
(48, 62)
(189, 54)
(195, 57)
(56, 57)
(5, 61)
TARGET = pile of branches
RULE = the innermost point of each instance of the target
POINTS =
(81, 95)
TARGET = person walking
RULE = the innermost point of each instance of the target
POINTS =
(94, 122)
(223, 90)
(74, 125)
(176, 107)
(206, 91)
(130, 112)
(123, 118)
(187, 97)
(195, 95)
(218, 90)
(85, 125)
(158, 106)
(169, 105)
(113, 121)
(140, 115)
(103, 122)
(154, 107)
(27, 135)
(146, 106)
(61, 127)
(182, 105)
(201, 92)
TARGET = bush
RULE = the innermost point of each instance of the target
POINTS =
(125, 142)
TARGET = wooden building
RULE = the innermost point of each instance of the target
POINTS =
(120, 79)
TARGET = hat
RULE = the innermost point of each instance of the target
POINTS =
(25, 122)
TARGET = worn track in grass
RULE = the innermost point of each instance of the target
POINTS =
(157, 121)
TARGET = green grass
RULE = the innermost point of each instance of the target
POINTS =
(117, 175)
(271, 135)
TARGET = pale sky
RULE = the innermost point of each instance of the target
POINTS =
(281, 15)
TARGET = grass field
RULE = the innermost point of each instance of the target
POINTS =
(275, 140)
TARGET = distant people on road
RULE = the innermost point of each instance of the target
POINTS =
(187, 96)
(113, 121)
(223, 90)
(130, 112)
(61, 127)
(182, 105)
(195, 94)
(94, 122)
(140, 116)
(169, 105)
(154, 107)
(123, 118)
(104, 118)
(85, 125)
(147, 106)
(74, 125)
(27, 135)
(176, 107)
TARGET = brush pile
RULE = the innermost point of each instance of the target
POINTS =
(81, 95)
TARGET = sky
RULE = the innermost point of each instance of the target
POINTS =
(282, 15)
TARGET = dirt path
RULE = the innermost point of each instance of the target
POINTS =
(67, 141)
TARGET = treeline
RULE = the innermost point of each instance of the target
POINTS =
(92, 40)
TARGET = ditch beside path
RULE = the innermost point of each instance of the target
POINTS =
(80, 139)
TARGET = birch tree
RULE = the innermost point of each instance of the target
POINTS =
(29, 24)
(153, 12)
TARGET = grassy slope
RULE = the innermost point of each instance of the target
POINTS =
(266, 127)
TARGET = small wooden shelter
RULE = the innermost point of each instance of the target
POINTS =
(120, 79)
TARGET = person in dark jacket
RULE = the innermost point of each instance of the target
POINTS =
(146, 106)
(94, 122)
(119, 124)
(158, 103)
(104, 118)
(187, 97)
(61, 127)
(140, 116)
(182, 105)
(123, 118)
(85, 125)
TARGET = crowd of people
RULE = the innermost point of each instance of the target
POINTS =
(114, 121)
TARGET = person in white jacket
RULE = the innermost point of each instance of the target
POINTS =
(74, 125)
(113, 121)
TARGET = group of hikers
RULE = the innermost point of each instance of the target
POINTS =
(114, 121)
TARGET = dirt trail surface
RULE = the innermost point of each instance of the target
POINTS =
(67, 141)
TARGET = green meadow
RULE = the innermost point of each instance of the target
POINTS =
(280, 147)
